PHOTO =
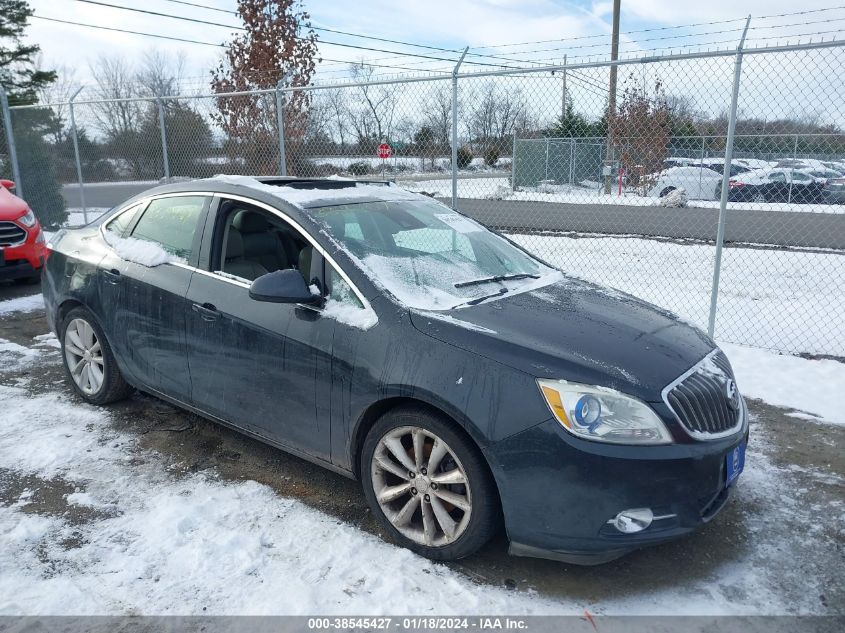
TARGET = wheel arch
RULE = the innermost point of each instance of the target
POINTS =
(64, 308)
(381, 407)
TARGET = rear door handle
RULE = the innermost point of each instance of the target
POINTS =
(207, 311)
(112, 276)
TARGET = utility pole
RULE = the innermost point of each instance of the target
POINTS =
(563, 95)
(611, 96)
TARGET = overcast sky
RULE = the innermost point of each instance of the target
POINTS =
(445, 23)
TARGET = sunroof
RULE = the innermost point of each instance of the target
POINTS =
(318, 183)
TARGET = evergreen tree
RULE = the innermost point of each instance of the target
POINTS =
(22, 81)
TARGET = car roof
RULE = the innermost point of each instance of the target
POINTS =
(302, 193)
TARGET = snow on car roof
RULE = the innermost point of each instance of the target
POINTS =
(310, 197)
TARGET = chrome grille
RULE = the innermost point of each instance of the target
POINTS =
(700, 401)
(11, 234)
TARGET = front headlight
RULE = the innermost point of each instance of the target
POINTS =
(28, 220)
(603, 415)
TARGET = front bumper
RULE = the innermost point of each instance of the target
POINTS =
(19, 268)
(558, 492)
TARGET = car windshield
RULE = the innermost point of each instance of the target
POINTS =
(428, 256)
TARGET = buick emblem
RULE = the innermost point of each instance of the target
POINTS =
(732, 394)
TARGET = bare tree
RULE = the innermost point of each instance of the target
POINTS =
(160, 74)
(495, 112)
(373, 121)
(59, 93)
(115, 82)
(336, 100)
(437, 115)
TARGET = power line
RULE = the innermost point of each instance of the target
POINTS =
(202, 6)
(111, 28)
(189, 41)
(327, 43)
(661, 28)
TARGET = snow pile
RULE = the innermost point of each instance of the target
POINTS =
(22, 304)
(14, 356)
(674, 199)
(141, 252)
(350, 314)
(813, 387)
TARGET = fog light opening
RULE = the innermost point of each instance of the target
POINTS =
(633, 520)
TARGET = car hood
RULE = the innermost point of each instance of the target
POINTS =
(576, 331)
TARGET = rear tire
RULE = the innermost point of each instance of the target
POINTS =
(88, 359)
(428, 484)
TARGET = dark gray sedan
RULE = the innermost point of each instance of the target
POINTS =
(385, 336)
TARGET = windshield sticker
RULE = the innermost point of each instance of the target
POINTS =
(458, 222)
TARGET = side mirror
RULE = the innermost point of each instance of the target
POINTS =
(8, 184)
(282, 286)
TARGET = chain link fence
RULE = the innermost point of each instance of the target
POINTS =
(712, 185)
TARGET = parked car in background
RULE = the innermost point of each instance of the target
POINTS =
(718, 165)
(23, 248)
(389, 338)
(833, 191)
(700, 183)
(784, 185)
(823, 173)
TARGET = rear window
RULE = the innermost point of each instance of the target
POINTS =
(171, 223)
(121, 223)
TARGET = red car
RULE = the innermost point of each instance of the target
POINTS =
(23, 249)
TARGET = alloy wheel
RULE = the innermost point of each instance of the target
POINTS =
(421, 486)
(84, 356)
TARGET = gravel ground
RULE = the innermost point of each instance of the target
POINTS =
(776, 548)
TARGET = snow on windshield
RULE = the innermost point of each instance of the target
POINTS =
(428, 257)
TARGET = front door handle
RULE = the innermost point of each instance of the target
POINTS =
(112, 276)
(207, 311)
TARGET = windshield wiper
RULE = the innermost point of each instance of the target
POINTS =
(485, 280)
(478, 300)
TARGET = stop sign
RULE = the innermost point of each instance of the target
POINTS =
(384, 151)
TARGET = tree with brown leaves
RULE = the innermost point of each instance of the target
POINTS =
(640, 129)
(278, 44)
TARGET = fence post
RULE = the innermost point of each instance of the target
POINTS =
(280, 124)
(726, 176)
(76, 156)
(455, 130)
(10, 141)
(165, 158)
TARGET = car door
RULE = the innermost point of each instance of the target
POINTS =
(147, 296)
(265, 367)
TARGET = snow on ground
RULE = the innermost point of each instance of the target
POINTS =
(498, 188)
(776, 299)
(76, 217)
(22, 304)
(814, 388)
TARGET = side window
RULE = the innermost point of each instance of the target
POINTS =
(777, 176)
(171, 223)
(797, 176)
(251, 242)
(121, 223)
(339, 290)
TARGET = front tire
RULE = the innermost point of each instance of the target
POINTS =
(428, 485)
(89, 361)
